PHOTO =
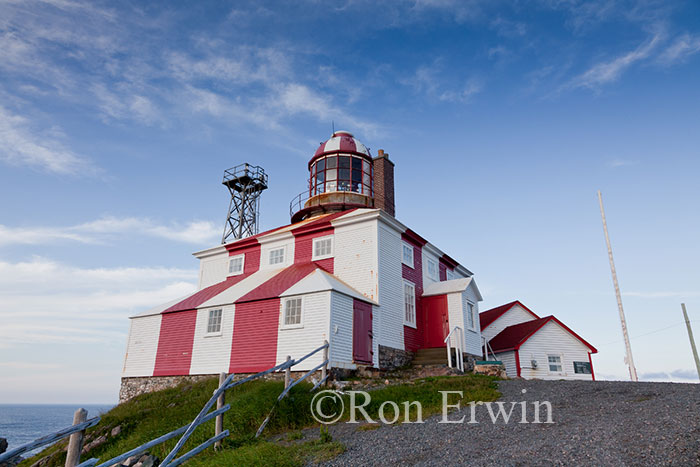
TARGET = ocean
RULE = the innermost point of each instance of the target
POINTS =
(20, 424)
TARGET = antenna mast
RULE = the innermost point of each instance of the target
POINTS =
(245, 183)
(629, 360)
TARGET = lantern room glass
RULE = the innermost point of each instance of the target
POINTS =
(342, 172)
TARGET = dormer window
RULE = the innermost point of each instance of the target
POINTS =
(322, 248)
(277, 256)
(235, 265)
(433, 271)
(407, 256)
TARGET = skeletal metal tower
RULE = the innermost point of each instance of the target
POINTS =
(245, 182)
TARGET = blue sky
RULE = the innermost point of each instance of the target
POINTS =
(117, 120)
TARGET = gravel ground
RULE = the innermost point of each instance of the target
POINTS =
(595, 423)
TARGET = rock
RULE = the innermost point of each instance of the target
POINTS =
(94, 443)
(3, 445)
(150, 461)
(116, 430)
(131, 460)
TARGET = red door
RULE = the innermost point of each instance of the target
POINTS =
(437, 323)
(362, 332)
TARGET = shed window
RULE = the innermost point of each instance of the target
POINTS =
(472, 319)
(554, 363)
(582, 368)
(235, 265)
(214, 323)
(292, 312)
(277, 256)
(409, 299)
(433, 271)
(323, 247)
(407, 257)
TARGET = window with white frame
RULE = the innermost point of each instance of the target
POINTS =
(407, 257)
(554, 363)
(582, 368)
(409, 300)
(277, 256)
(322, 247)
(292, 312)
(214, 323)
(433, 271)
(450, 275)
(471, 315)
(235, 265)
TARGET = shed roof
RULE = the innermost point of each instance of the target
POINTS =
(512, 337)
(489, 316)
(451, 286)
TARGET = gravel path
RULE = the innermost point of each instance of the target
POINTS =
(595, 423)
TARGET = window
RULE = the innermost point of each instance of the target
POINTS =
(214, 323)
(433, 271)
(582, 368)
(471, 315)
(235, 265)
(292, 312)
(554, 363)
(409, 300)
(450, 275)
(341, 172)
(407, 258)
(323, 247)
(277, 256)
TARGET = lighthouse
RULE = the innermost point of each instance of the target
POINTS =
(342, 176)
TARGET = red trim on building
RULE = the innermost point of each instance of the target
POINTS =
(513, 337)
(449, 262)
(489, 316)
(517, 363)
(174, 353)
(413, 238)
(255, 328)
(196, 299)
(591, 362)
(413, 337)
(273, 287)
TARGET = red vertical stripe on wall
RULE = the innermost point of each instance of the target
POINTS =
(413, 337)
(255, 328)
(174, 353)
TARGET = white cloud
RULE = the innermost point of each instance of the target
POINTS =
(103, 230)
(46, 302)
(609, 71)
(428, 80)
(23, 146)
(683, 47)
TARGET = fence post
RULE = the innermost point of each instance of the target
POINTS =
(219, 404)
(324, 368)
(75, 443)
(288, 374)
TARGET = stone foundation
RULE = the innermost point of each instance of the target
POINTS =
(391, 358)
(490, 369)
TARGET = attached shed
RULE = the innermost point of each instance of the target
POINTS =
(544, 348)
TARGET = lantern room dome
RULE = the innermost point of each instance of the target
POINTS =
(341, 142)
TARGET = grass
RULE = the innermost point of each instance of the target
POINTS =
(151, 415)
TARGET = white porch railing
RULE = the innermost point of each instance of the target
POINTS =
(487, 347)
(459, 347)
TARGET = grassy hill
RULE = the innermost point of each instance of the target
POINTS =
(151, 415)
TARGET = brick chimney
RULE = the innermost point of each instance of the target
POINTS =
(384, 183)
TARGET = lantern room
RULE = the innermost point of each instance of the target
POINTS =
(341, 177)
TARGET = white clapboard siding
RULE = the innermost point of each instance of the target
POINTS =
(508, 359)
(355, 251)
(341, 331)
(211, 353)
(391, 305)
(515, 315)
(472, 336)
(455, 316)
(298, 341)
(213, 269)
(552, 339)
(142, 345)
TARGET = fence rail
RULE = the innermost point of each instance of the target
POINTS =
(459, 357)
(77, 431)
(76, 428)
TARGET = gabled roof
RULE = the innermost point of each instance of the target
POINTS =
(279, 282)
(512, 337)
(451, 286)
(489, 316)
(197, 298)
(321, 281)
